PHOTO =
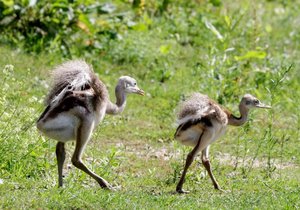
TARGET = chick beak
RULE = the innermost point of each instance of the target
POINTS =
(140, 92)
(263, 106)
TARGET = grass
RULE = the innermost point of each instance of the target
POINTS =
(224, 52)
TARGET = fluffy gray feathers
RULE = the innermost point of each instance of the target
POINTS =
(198, 106)
(74, 75)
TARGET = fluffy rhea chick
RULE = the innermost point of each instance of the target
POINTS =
(75, 105)
(201, 121)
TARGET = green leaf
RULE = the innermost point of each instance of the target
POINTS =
(268, 28)
(147, 20)
(216, 3)
(227, 20)
(252, 54)
(85, 24)
(8, 3)
(165, 49)
(33, 154)
(140, 27)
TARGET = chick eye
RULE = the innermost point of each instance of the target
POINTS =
(256, 101)
(134, 84)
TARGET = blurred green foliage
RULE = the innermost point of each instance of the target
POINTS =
(69, 26)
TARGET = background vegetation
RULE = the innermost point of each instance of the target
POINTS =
(172, 47)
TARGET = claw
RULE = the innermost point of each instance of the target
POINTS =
(182, 191)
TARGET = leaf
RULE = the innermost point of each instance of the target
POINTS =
(8, 3)
(60, 5)
(216, 3)
(147, 20)
(227, 20)
(85, 24)
(213, 29)
(33, 154)
(140, 27)
(165, 49)
(268, 28)
(252, 54)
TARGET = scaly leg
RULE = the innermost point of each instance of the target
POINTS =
(190, 158)
(82, 137)
(60, 156)
(206, 163)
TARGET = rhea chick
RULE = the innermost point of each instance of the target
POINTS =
(76, 104)
(201, 121)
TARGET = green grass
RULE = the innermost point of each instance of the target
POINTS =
(171, 56)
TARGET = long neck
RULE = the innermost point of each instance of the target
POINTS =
(238, 121)
(120, 104)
